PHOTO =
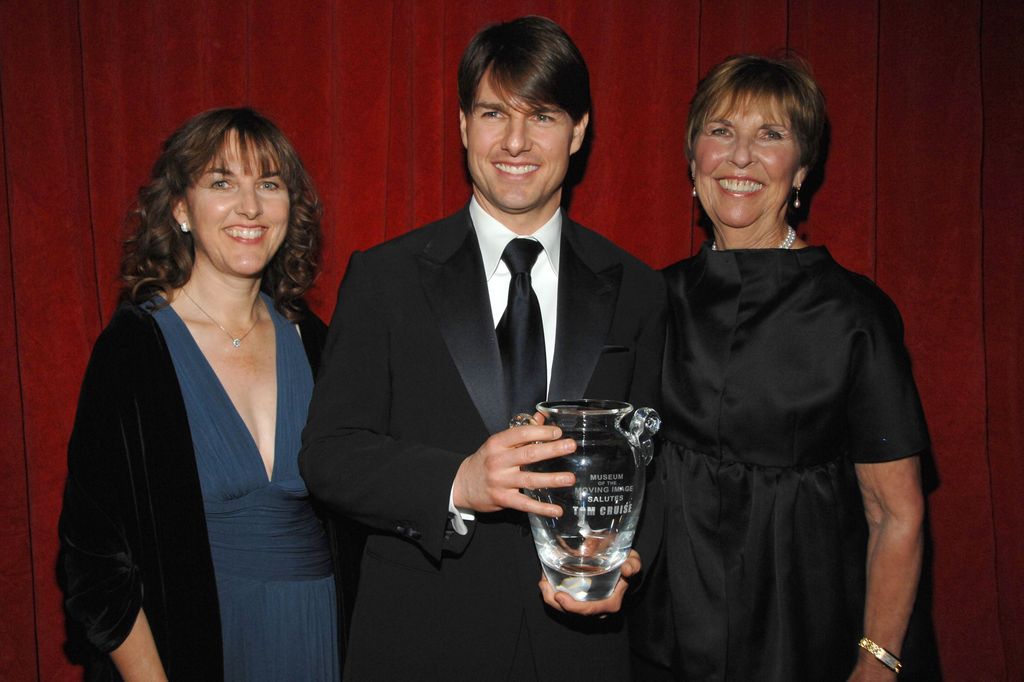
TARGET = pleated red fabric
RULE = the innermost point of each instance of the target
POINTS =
(919, 192)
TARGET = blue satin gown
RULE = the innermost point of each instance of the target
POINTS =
(271, 560)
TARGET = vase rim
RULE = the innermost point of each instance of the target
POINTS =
(585, 406)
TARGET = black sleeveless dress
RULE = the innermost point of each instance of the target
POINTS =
(782, 370)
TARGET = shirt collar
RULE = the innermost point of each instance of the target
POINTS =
(494, 237)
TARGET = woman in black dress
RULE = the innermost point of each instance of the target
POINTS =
(790, 415)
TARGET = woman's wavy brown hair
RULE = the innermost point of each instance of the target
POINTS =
(158, 256)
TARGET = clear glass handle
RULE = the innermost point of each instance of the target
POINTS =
(644, 424)
(522, 419)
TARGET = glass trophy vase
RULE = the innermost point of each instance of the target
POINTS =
(582, 551)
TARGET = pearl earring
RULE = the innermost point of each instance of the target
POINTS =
(183, 226)
(796, 199)
(693, 191)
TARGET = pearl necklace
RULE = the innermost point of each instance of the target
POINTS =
(787, 242)
(236, 341)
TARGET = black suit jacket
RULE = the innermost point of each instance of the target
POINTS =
(411, 384)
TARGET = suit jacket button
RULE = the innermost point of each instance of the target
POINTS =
(408, 532)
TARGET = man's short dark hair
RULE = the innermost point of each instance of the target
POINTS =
(530, 60)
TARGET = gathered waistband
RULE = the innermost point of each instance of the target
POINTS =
(267, 535)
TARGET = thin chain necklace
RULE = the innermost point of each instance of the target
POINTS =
(786, 242)
(236, 341)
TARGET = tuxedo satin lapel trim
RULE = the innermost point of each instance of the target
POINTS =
(586, 304)
(452, 275)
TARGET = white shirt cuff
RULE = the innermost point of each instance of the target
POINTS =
(457, 516)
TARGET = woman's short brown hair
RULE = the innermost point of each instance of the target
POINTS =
(158, 256)
(785, 84)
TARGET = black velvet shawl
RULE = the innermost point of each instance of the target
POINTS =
(132, 529)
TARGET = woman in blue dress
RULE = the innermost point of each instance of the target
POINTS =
(191, 550)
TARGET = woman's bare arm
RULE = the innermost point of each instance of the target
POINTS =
(894, 507)
(136, 658)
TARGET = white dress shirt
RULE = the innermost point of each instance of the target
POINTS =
(493, 238)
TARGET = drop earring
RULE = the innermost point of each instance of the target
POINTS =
(796, 199)
(693, 191)
(184, 227)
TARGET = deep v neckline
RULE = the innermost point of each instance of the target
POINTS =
(214, 383)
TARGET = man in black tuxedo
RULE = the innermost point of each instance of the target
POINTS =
(438, 338)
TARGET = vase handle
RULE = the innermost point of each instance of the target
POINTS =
(643, 425)
(522, 419)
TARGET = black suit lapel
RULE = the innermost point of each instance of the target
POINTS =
(587, 294)
(452, 275)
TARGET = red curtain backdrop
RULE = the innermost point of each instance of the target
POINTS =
(920, 193)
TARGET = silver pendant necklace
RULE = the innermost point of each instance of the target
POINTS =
(787, 242)
(236, 341)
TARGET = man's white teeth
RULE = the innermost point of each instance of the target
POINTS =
(734, 185)
(246, 232)
(516, 170)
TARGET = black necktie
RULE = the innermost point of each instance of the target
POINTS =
(521, 331)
